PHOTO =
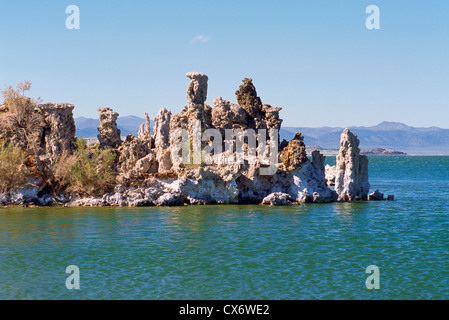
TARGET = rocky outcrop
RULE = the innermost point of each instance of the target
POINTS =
(258, 115)
(197, 88)
(151, 171)
(223, 115)
(130, 152)
(247, 98)
(277, 199)
(109, 136)
(376, 196)
(379, 196)
(272, 120)
(351, 178)
(145, 131)
(162, 140)
(196, 97)
(162, 129)
(318, 165)
(57, 131)
(330, 172)
(295, 153)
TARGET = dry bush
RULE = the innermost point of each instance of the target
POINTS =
(13, 172)
(19, 122)
(89, 171)
(61, 174)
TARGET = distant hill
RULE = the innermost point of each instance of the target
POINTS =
(87, 127)
(368, 152)
(386, 135)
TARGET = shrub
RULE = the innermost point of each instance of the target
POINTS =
(59, 178)
(13, 172)
(19, 121)
(90, 170)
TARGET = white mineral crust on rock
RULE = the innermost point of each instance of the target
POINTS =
(351, 179)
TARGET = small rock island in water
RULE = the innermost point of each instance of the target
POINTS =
(226, 154)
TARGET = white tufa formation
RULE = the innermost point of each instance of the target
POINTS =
(351, 178)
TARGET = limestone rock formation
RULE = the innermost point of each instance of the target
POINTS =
(168, 199)
(295, 153)
(145, 130)
(351, 179)
(222, 115)
(57, 133)
(258, 115)
(376, 196)
(130, 152)
(162, 129)
(150, 172)
(197, 89)
(196, 97)
(277, 199)
(162, 139)
(297, 179)
(330, 174)
(318, 164)
(379, 196)
(272, 120)
(48, 131)
(145, 165)
(109, 136)
(247, 98)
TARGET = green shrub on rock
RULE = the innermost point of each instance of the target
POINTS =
(92, 172)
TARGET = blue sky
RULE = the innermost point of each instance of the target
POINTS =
(315, 59)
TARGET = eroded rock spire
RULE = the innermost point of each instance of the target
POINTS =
(58, 128)
(197, 89)
(351, 178)
(109, 136)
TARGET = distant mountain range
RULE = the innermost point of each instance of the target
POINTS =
(388, 135)
(87, 127)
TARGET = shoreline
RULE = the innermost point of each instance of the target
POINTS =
(297, 204)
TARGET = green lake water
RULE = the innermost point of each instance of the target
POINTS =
(313, 251)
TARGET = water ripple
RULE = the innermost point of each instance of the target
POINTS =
(240, 252)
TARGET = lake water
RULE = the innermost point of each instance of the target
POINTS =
(313, 251)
